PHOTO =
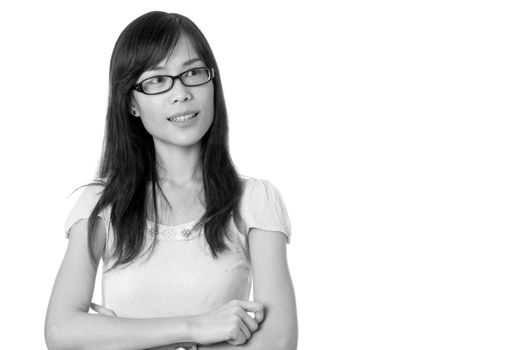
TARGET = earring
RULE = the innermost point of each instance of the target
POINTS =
(134, 112)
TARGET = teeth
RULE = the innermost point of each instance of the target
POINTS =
(183, 117)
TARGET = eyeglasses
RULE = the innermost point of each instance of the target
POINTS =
(162, 83)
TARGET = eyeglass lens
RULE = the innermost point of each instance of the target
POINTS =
(161, 83)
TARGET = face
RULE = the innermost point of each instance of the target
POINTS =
(155, 110)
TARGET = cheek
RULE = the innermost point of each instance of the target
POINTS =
(210, 101)
(151, 115)
(146, 107)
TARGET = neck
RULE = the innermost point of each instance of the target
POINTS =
(179, 166)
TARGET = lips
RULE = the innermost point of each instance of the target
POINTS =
(186, 113)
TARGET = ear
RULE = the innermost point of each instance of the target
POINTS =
(133, 110)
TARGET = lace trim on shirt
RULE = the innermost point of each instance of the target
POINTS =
(173, 232)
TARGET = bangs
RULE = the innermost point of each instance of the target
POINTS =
(155, 42)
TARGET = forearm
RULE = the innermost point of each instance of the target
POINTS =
(94, 331)
(270, 335)
(252, 344)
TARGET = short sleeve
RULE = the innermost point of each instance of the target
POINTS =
(263, 207)
(83, 206)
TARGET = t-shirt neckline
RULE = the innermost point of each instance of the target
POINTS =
(174, 226)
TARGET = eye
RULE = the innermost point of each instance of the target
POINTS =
(159, 79)
(197, 72)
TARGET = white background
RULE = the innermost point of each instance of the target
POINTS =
(395, 131)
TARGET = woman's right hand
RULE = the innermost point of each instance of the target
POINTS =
(230, 323)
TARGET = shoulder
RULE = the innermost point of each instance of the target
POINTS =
(81, 202)
(85, 193)
(253, 186)
(262, 206)
(248, 181)
(85, 196)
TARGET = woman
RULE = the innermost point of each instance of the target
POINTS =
(180, 233)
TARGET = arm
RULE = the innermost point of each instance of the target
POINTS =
(273, 288)
(68, 324)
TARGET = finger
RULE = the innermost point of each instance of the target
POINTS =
(245, 331)
(253, 306)
(233, 342)
(102, 310)
(259, 316)
(248, 320)
(239, 338)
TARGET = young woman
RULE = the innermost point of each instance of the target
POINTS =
(181, 234)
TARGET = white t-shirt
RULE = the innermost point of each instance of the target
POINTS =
(181, 277)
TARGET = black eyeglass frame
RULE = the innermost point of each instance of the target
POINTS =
(139, 86)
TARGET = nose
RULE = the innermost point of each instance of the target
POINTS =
(179, 92)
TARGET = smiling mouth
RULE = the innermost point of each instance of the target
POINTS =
(183, 118)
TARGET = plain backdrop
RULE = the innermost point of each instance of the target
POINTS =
(395, 131)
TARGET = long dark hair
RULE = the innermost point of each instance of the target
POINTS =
(128, 160)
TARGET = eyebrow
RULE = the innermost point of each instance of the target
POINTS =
(185, 64)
